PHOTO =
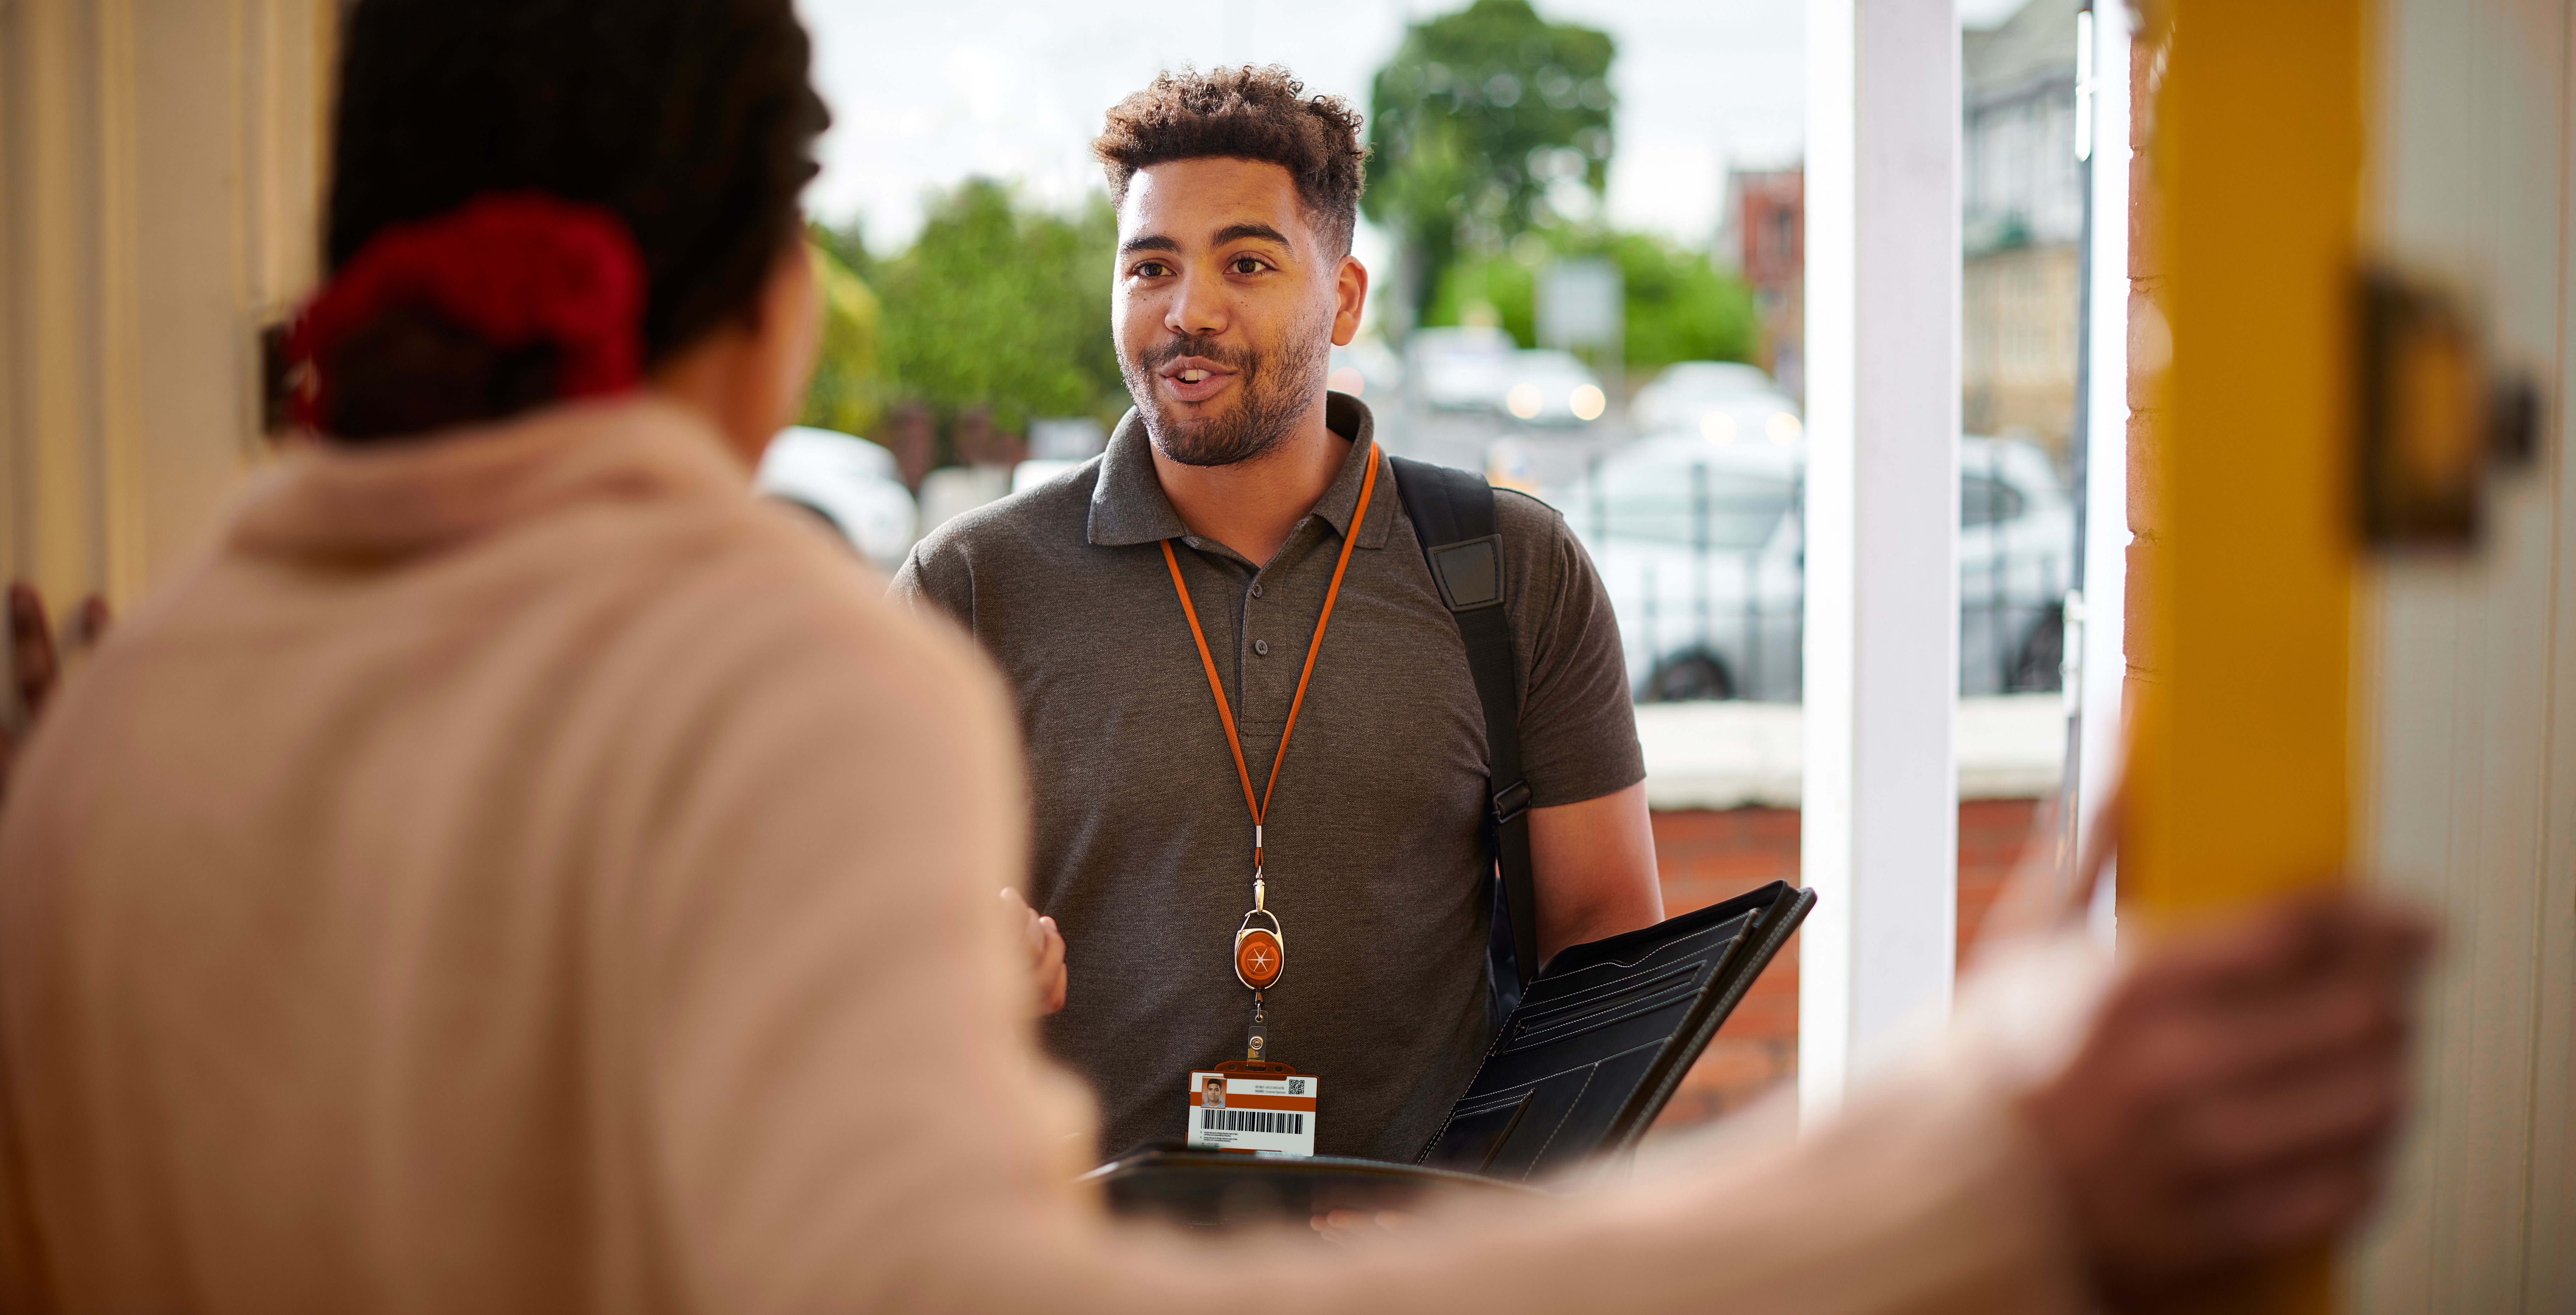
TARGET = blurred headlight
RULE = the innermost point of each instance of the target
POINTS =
(1523, 400)
(1783, 428)
(1717, 427)
(1586, 402)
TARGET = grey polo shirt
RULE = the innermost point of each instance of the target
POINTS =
(1141, 846)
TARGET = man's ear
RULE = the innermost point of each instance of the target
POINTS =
(1350, 297)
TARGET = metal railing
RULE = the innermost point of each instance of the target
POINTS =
(1737, 628)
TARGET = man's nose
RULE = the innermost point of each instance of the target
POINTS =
(1199, 309)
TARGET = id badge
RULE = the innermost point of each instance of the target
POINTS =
(1253, 1107)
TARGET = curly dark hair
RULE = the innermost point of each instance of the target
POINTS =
(1245, 113)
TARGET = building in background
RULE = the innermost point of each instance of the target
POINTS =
(1762, 234)
(2024, 216)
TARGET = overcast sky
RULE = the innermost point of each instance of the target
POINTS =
(928, 93)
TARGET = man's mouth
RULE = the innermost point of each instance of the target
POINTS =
(1194, 379)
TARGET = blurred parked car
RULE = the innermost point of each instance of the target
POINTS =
(952, 491)
(1462, 369)
(1721, 401)
(1552, 388)
(1700, 546)
(1038, 470)
(1071, 438)
(847, 481)
(1056, 446)
(1365, 369)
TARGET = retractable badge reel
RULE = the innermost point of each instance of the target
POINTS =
(1260, 953)
(1260, 956)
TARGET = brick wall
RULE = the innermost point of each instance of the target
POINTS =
(1706, 856)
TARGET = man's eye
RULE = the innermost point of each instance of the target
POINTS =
(1152, 269)
(1250, 264)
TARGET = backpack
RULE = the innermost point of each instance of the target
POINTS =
(1453, 514)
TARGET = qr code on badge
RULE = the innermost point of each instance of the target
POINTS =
(1296, 1086)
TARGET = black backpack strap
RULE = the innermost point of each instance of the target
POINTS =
(1453, 514)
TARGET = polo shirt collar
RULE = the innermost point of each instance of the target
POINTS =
(1128, 505)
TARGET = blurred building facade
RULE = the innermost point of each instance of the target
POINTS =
(1762, 234)
(2023, 200)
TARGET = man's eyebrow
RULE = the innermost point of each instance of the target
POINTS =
(1149, 242)
(1263, 231)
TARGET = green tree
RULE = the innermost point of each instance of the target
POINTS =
(1479, 116)
(848, 389)
(847, 244)
(1680, 307)
(1004, 307)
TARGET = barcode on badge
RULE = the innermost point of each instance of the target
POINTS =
(1251, 1121)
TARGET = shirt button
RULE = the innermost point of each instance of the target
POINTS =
(1261, 646)
(1256, 591)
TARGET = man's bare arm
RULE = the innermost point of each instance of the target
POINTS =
(1593, 864)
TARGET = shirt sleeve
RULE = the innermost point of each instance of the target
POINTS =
(936, 578)
(1578, 728)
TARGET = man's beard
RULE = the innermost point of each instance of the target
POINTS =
(1273, 394)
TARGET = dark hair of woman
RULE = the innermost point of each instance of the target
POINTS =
(691, 120)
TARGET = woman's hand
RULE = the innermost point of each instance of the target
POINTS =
(1046, 952)
(2237, 1097)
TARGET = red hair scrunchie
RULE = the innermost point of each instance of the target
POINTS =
(516, 269)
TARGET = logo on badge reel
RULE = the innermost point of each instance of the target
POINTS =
(1259, 953)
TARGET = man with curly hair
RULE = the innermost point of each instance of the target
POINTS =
(1197, 720)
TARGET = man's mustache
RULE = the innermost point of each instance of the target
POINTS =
(1236, 359)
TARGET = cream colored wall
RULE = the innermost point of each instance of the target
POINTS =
(2469, 680)
(159, 167)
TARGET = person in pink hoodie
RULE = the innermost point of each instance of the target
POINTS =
(510, 870)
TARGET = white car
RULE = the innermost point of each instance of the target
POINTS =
(1700, 547)
(1365, 369)
(1462, 369)
(1722, 401)
(846, 480)
(1552, 388)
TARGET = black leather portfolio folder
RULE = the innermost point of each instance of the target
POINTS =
(1580, 1069)
(1603, 1036)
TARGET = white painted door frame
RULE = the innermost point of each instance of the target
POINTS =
(1880, 828)
(2099, 673)
(2468, 703)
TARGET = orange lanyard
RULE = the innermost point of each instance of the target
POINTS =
(1261, 807)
